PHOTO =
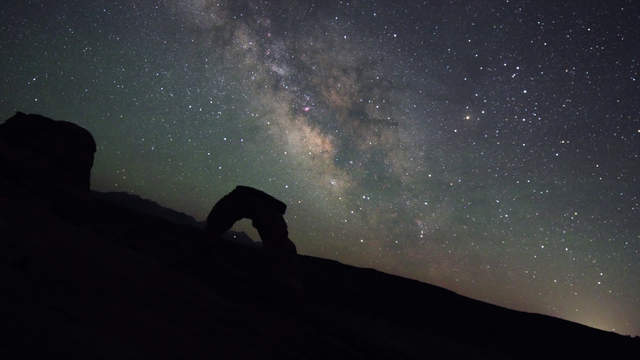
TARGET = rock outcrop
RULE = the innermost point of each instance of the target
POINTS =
(47, 153)
(265, 212)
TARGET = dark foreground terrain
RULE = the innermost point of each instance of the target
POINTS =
(92, 275)
(89, 278)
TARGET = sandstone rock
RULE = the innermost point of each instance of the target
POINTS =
(265, 212)
(47, 153)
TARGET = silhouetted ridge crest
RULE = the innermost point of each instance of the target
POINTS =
(146, 206)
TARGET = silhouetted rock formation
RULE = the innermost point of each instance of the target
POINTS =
(262, 209)
(48, 153)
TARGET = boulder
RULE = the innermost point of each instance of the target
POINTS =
(46, 153)
(265, 212)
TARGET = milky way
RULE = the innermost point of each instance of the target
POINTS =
(489, 147)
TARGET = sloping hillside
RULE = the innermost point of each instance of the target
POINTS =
(88, 275)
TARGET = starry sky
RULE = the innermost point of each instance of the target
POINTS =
(489, 147)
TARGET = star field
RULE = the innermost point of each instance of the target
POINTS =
(489, 147)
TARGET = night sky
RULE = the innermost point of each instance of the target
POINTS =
(489, 147)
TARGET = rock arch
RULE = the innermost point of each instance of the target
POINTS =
(264, 211)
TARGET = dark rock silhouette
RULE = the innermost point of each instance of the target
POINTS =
(48, 153)
(265, 212)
